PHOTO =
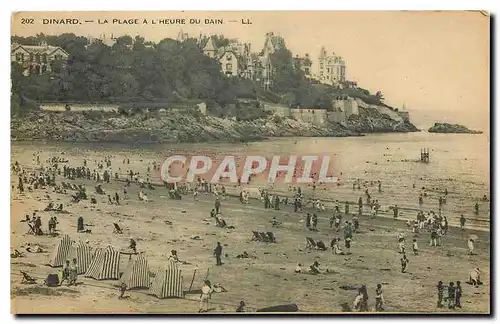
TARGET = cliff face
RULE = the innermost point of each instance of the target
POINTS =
(451, 128)
(174, 127)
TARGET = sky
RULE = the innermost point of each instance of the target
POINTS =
(436, 63)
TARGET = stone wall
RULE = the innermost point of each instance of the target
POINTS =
(278, 110)
(317, 117)
(80, 107)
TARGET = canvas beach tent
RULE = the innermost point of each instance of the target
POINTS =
(60, 253)
(83, 254)
(136, 275)
(167, 282)
(105, 265)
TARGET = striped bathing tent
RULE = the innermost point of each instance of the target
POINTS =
(136, 275)
(61, 252)
(167, 282)
(105, 265)
(83, 255)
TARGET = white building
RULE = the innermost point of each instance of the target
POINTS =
(331, 68)
(37, 59)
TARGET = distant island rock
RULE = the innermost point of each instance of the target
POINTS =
(452, 128)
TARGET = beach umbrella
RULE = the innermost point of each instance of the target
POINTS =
(473, 237)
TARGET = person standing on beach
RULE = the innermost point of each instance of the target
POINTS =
(396, 210)
(458, 295)
(440, 288)
(434, 237)
(470, 245)
(206, 291)
(379, 298)
(379, 186)
(217, 205)
(404, 263)
(218, 253)
(420, 202)
(348, 245)
(476, 209)
(462, 222)
(314, 220)
(451, 296)
(346, 208)
(415, 247)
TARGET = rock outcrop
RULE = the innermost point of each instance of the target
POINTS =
(452, 128)
(98, 126)
(370, 120)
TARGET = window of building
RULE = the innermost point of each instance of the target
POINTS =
(31, 57)
(328, 70)
(37, 58)
(44, 68)
(22, 57)
(229, 67)
(44, 58)
(229, 58)
(321, 66)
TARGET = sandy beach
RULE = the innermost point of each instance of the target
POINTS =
(265, 279)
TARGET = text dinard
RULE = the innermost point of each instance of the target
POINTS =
(136, 21)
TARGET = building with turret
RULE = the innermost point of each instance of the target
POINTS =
(331, 68)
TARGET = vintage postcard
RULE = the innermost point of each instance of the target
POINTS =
(250, 162)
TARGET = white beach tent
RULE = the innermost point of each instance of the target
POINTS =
(105, 265)
(61, 252)
(136, 275)
(83, 253)
(167, 282)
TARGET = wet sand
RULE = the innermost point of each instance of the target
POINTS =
(267, 280)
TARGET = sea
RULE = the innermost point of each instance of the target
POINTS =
(459, 163)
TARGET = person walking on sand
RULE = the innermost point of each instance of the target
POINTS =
(218, 253)
(476, 209)
(440, 289)
(206, 292)
(404, 263)
(462, 222)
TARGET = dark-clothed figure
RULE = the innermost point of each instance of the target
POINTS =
(440, 289)
(458, 295)
(404, 263)
(218, 253)
(217, 206)
(451, 295)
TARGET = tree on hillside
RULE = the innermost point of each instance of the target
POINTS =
(286, 76)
